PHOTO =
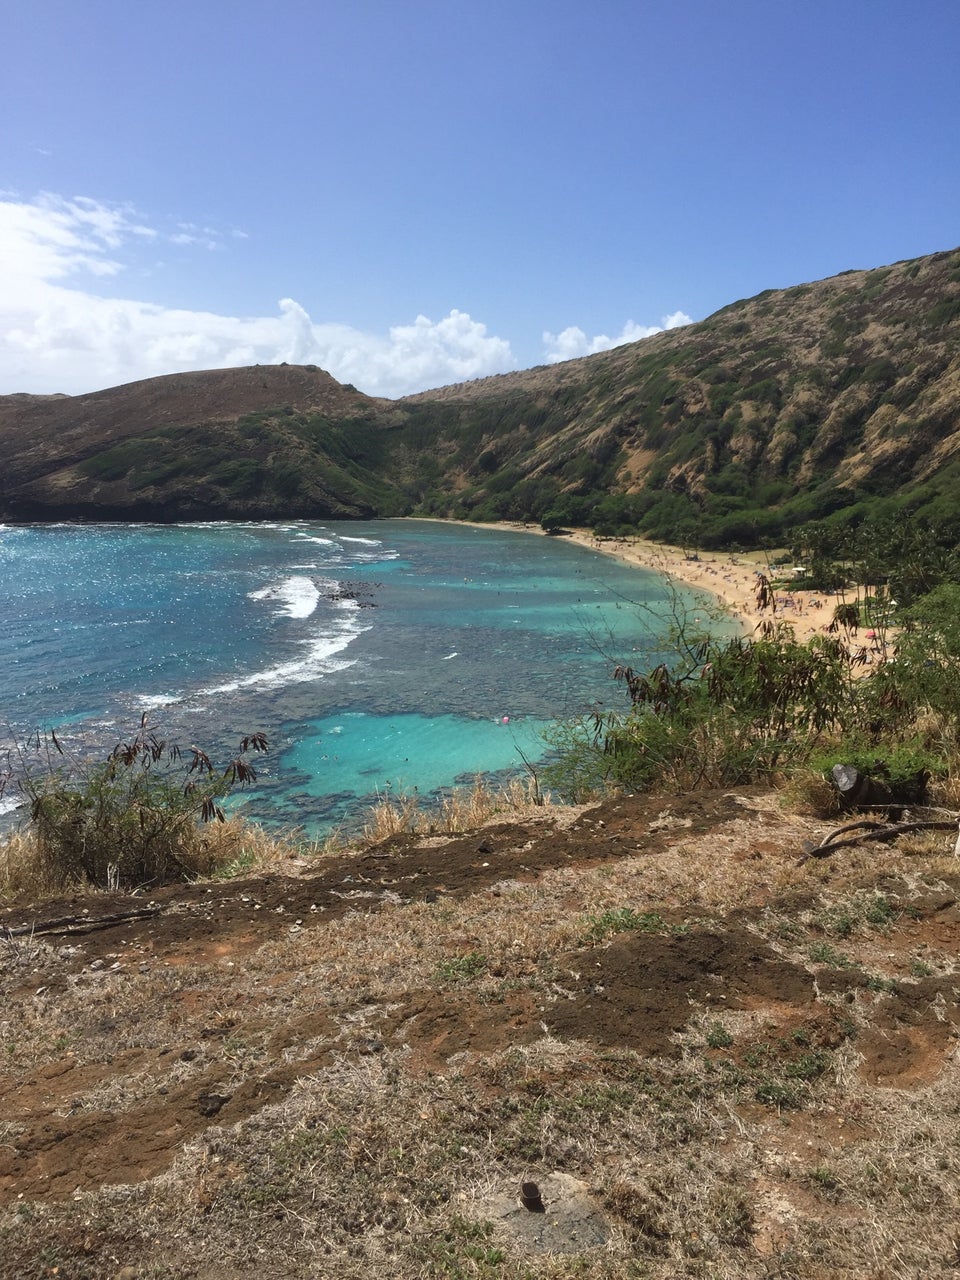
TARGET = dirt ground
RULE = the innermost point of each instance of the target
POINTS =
(654, 983)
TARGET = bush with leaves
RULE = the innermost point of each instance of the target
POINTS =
(136, 818)
(738, 711)
(744, 713)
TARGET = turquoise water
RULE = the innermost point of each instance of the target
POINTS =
(377, 657)
(410, 752)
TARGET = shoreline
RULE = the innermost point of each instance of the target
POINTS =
(729, 578)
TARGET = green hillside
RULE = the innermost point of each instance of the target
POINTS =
(837, 399)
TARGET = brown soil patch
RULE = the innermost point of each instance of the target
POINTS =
(443, 1028)
(207, 922)
(62, 1154)
(906, 1058)
(638, 992)
(746, 1005)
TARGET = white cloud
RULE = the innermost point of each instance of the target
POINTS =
(56, 336)
(188, 233)
(52, 238)
(573, 342)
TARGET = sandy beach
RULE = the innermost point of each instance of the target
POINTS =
(731, 579)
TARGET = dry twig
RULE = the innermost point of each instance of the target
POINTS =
(870, 829)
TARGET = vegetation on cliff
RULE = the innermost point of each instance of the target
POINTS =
(879, 687)
(837, 400)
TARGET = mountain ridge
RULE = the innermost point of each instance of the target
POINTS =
(792, 405)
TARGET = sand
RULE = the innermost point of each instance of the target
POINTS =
(731, 579)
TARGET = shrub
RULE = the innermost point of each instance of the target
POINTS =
(620, 920)
(751, 709)
(136, 818)
(462, 968)
(903, 767)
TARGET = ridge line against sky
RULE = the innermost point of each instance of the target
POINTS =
(419, 194)
(60, 336)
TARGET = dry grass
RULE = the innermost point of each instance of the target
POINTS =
(519, 925)
(217, 850)
(23, 873)
(946, 791)
(238, 847)
(460, 810)
(366, 1166)
(373, 1162)
(808, 791)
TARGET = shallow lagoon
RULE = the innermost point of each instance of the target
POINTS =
(376, 657)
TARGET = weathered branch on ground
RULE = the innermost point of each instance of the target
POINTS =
(870, 829)
(77, 923)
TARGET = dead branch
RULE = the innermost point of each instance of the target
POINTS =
(871, 830)
(78, 924)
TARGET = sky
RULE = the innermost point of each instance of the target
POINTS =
(410, 193)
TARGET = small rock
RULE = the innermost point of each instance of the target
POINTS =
(209, 1104)
(530, 1197)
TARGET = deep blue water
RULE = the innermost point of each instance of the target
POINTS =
(379, 656)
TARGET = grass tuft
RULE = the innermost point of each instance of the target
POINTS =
(463, 809)
(220, 850)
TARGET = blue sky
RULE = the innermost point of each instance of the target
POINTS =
(413, 192)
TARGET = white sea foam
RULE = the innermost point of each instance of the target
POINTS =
(320, 657)
(277, 525)
(448, 656)
(205, 524)
(147, 701)
(320, 542)
(9, 803)
(367, 542)
(370, 557)
(296, 597)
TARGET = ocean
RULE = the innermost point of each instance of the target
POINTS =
(378, 657)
